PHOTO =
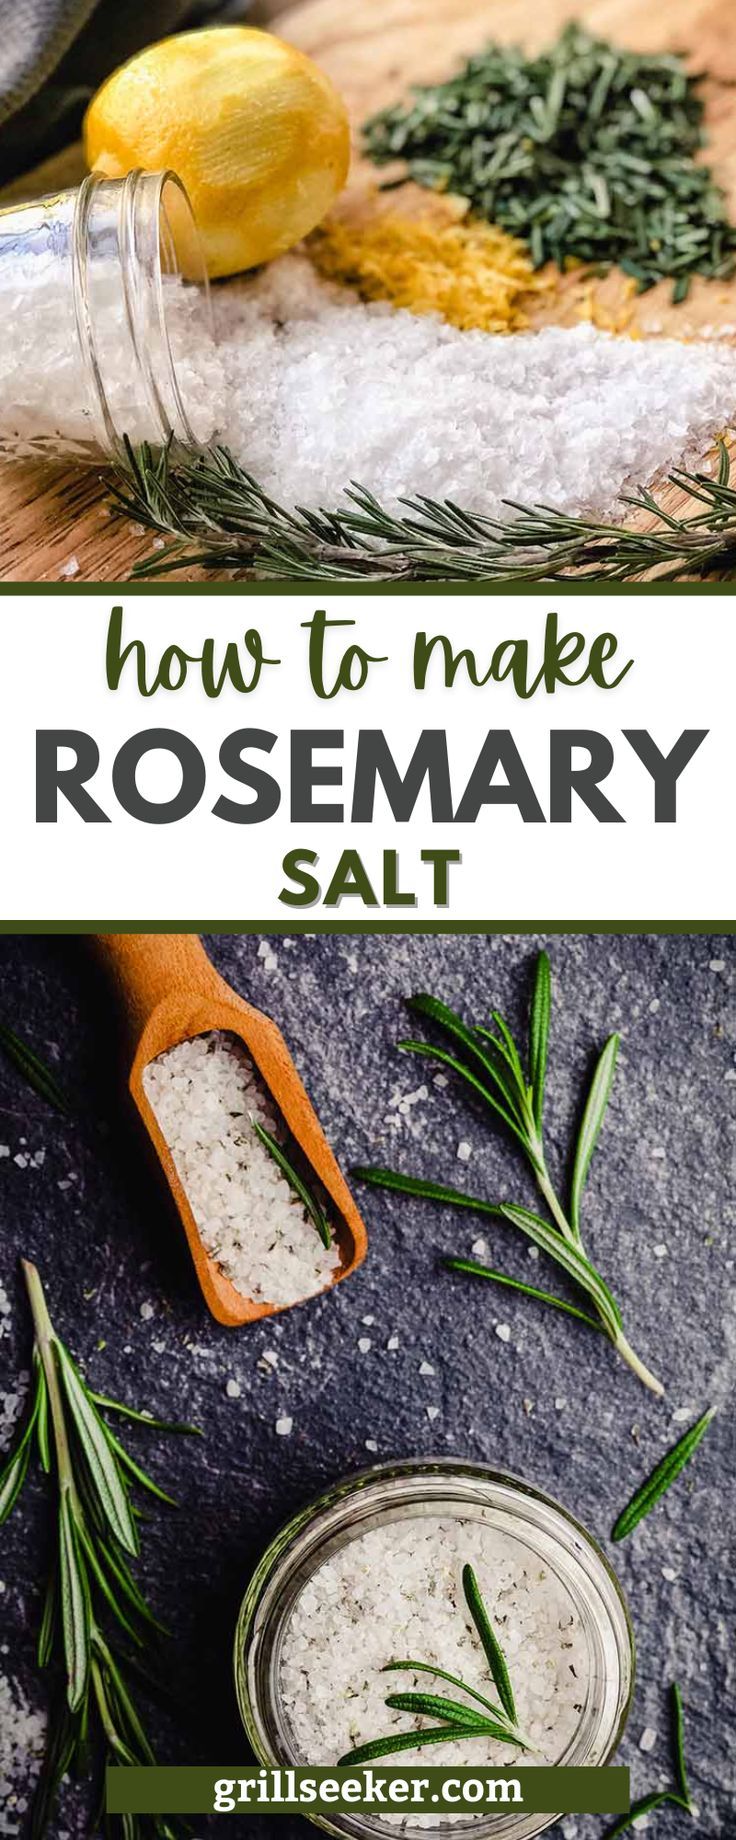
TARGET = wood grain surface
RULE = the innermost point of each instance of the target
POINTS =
(374, 49)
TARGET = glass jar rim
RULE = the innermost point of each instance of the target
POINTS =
(269, 1601)
(139, 193)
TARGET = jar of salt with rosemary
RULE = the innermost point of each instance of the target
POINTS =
(430, 1595)
(100, 287)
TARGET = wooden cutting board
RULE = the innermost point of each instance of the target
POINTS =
(374, 49)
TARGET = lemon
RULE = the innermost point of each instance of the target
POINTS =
(256, 132)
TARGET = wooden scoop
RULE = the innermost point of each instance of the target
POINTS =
(170, 992)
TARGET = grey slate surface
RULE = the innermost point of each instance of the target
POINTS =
(94, 1218)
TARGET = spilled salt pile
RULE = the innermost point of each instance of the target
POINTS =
(312, 388)
(205, 1094)
(394, 1594)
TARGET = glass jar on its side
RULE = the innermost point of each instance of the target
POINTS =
(107, 327)
(398, 1493)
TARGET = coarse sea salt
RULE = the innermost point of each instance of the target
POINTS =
(395, 1593)
(312, 388)
(22, 1738)
(206, 1093)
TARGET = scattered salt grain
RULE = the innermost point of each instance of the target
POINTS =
(440, 1080)
(682, 1415)
(364, 1343)
(395, 1591)
(69, 569)
(370, 1444)
(433, 1412)
(717, 964)
(4, 1150)
(503, 1332)
(233, 1389)
(464, 1152)
(284, 1427)
(392, 1343)
(368, 1321)
(560, 1404)
(479, 1248)
(426, 1368)
(206, 1094)
(22, 1739)
(146, 1312)
(654, 1006)
(669, 1574)
(648, 1739)
(660, 1250)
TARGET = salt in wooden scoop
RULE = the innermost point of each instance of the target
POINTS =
(170, 992)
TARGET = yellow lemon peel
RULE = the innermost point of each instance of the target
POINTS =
(256, 132)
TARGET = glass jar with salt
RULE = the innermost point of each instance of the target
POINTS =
(373, 1573)
(102, 287)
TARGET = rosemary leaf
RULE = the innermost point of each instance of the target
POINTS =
(515, 1284)
(144, 1418)
(593, 1116)
(489, 1642)
(403, 1741)
(434, 1704)
(377, 1177)
(645, 1805)
(75, 1609)
(430, 1053)
(572, 1260)
(13, 1474)
(662, 1477)
(539, 1021)
(308, 1201)
(426, 1667)
(139, 1474)
(12, 1480)
(471, 1040)
(34, 1071)
(48, 1622)
(95, 1440)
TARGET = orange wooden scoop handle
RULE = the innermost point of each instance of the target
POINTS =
(146, 967)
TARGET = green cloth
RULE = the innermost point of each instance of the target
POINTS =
(55, 53)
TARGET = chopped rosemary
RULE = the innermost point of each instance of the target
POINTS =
(33, 1070)
(662, 1477)
(308, 1200)
(456, 1719)
(679, 1796)
(586, 151)
(491, 1065)
(216, 516)
(92, 1597)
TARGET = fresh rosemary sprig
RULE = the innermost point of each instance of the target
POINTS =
(457, 1720)
(679, 1796)
(92, 1598)
(490, 1064)
(308, 1200)
(216, 516)
(586, 151)
(32, 1069)
(662, 1477)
